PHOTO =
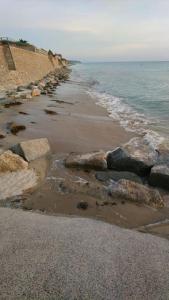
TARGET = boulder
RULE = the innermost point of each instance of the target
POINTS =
(159, 176)
(94, 160)
(116, 176)
(159, 144)
(36, 92)
(135, 192)
(16, 183)
(136, 156)
(163, 152)
(10, 162)
(32, 149)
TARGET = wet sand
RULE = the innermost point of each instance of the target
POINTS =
(79, 125)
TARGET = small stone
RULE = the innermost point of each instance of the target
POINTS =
(36, 92)
(23, 113)
(50, 112)
(15, 128)
(2, 134)
(82, 205)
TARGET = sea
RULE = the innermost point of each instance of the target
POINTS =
(134, 93)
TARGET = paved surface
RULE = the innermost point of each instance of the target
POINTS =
(44, 257)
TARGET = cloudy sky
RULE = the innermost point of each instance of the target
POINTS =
(91, 30)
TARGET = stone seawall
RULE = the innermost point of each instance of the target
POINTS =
(30, 66)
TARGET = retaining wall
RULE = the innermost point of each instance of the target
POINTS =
(30, 66)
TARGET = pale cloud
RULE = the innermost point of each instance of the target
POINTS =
(91, 29)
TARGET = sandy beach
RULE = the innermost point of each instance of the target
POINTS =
(79, 125)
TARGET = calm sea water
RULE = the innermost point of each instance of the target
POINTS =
(135, 93)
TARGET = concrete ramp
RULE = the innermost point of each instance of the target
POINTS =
(47, 257)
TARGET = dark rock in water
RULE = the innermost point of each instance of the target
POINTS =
(23, 113)
(15, 128)
(82, 205)
(116, 175)
(7, 105)
(135, 192)
(159, 177)
(135, 157)
(50, 112)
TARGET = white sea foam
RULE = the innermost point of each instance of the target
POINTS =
(119, 110)
(128, 118)
(153, 139)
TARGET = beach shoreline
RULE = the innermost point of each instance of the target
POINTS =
(78, 125)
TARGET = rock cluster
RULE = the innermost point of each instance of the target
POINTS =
(45, 86)
(128, 171)
(16, 175)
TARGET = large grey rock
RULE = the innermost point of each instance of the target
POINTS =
(159, 176)
(16, 183)
(136, 156)
(116, 175)
(94, 160)
(10, 162)
(32, 149)
(135, 192)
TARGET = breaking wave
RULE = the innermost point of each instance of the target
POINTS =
(129, 119)
(122, 112)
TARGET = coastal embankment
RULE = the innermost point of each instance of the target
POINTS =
(22, 64)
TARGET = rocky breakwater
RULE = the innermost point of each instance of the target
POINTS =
(128, 172)
(45, 86)
(18, 174)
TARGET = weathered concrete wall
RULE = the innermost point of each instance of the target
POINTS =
(30, 66)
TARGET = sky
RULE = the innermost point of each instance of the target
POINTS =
(91, 30)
